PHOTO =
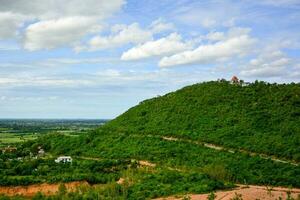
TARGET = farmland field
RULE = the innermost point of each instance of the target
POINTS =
(13, 131)
(12, 138)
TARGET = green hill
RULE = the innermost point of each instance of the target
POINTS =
(204, 137)
(260, 117)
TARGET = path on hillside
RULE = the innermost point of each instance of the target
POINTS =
(88, 158)
(140, 162)
(222, 148)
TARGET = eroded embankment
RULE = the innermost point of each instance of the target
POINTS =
(31, 190)
(51, 189)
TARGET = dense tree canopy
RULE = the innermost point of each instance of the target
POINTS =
(260, 117)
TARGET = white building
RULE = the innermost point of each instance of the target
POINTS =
(41, 151)
(63, 159)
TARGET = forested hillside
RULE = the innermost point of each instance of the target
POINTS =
(204, 137)
(260, 117)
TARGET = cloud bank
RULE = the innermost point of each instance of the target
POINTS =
(235, 46)
(163, 46)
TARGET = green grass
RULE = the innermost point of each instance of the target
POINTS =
(12, 138)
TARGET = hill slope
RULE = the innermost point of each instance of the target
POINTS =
(261, 117)
(169, 133)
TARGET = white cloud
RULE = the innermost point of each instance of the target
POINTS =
(160, 25)
(9, 23)
(121, 35)
(237, 31)
(215, 36)
(113, 73)
(233, 46)
(51, 9)
(208, 14)
(163, 46)
(42, 82)
(50, 34)
(56, 22)
(268, 64)
(208, 22)
(75, 61)
(100, 79)
(198, 18)
(231, 33)
(53, 64)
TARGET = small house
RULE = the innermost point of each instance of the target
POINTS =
(64, 159)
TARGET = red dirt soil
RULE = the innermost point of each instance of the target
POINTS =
(250, 192)
(31, 190)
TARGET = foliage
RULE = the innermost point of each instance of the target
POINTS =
(25, 172)
(221, 165)
(146, 185)
(211, 196)
(261, 117)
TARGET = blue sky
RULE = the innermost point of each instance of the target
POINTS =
(97, 58)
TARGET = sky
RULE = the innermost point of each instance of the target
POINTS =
(98, 58)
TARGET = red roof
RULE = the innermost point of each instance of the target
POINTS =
(234, 79)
